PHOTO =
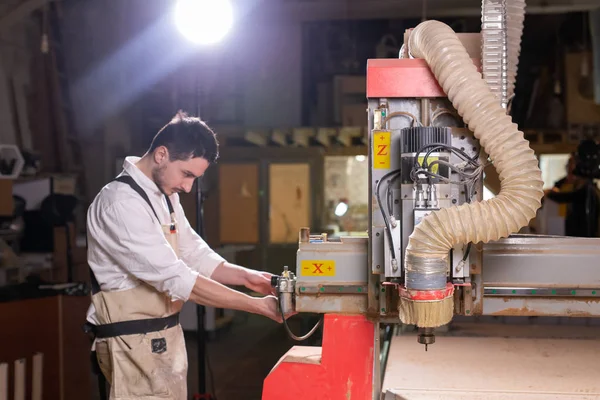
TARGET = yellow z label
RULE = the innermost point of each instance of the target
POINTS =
(317, 268)
(430, 159)
(381, 150)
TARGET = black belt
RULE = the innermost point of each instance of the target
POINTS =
(134, 327)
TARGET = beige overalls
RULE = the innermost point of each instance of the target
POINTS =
(152, 365)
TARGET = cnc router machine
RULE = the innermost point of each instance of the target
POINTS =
(435, 249)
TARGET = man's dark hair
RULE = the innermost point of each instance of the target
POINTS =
(187, 137)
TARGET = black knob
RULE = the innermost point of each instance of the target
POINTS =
(274, 280)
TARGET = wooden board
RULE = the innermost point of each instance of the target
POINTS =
(238, 203)
(19, 369)
(494, 368)
(4, 381)
(289, 201)
(37, 374)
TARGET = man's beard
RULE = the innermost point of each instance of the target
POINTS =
(157, 177)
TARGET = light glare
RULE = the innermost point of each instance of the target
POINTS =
(341, 209)
(204, 21)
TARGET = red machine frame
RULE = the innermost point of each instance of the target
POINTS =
(341, 369)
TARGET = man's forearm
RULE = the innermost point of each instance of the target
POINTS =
(230, 274)
(211, 293)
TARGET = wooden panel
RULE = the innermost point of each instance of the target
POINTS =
(238, 203)
(289, 201)
(26, 319)
(65, 347)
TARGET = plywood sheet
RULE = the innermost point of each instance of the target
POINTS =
(238, 203)
(289, 201)
(488, 367)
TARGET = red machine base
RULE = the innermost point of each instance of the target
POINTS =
(341, 369)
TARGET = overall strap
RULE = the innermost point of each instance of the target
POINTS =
(134, 185)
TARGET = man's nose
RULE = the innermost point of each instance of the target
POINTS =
(188, 187)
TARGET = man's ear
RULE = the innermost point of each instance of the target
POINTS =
(161, 154)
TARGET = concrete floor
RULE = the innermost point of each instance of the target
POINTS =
(241, 356)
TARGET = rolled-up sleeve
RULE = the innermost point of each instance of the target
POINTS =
(132, 236)
(194, 250)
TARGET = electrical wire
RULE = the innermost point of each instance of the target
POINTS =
(467, 200)
(385, 217)
(389, 196)
(287, 328)
(441, 111)
(440, 177)
(423, 167)
(436, 146)
(398, 113)
(460, 171)
(468, 178)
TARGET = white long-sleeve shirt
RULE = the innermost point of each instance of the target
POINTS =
(126, 243)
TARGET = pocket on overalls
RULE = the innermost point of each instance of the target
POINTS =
(138, 371)
(104, 360)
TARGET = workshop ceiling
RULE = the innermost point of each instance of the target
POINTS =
(354, 9)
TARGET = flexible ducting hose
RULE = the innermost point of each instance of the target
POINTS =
(426, 257)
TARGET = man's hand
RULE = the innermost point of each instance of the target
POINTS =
(259, 282)
(269, 308)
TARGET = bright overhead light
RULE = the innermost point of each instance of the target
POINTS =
(341, 209)
(360, 158)
(204, 21)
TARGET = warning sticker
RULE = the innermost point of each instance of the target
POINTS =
(317, 268)
(381, 150)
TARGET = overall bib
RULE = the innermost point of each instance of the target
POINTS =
(140, 346)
